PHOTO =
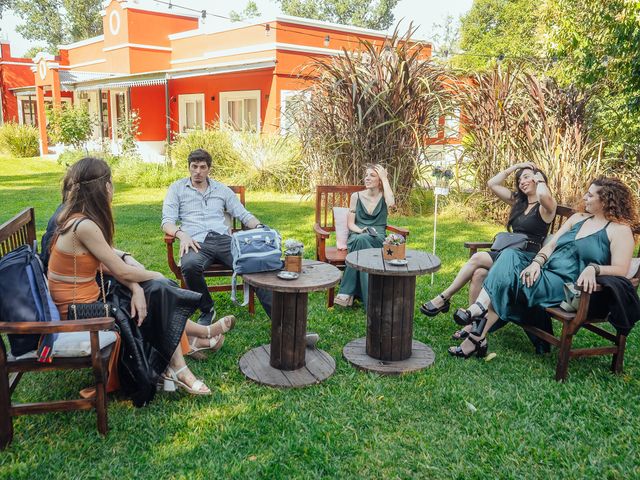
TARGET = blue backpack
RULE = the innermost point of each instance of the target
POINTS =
(256, 250)
(24, 297)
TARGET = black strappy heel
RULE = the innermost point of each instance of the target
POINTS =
(463, 317)
(430, 310)
(481, 346)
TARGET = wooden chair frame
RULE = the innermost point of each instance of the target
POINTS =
(216, 269)
(327, 197)
(20, 230)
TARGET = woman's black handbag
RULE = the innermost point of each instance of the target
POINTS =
(503, 240)
(80, 311)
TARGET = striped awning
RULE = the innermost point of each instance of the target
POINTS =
(121, 83)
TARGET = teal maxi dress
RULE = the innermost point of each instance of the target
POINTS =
(513, 301)
(354, 282)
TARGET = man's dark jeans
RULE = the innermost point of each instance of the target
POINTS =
(216, 248)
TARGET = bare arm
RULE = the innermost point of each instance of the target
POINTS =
(92, 239)
(530, 274)
(495, 184)
(548, 204)
(387, 191)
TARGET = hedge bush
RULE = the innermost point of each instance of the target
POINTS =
(19, 140)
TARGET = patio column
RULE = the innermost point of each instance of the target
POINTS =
(42, 120)
(55, 88)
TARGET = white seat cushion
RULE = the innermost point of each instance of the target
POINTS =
(340, 224)
(633, 268)
(73, 344)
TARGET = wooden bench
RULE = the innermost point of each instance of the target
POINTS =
(573, 322)
(327, 197)
(216, 269)
(18, 231)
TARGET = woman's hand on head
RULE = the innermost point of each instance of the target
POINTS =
(587, 279)
(529, 275)
(529, 165)
(537, 177)
(382, 173)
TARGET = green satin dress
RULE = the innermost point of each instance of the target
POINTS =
(354, 282)
(513, 301)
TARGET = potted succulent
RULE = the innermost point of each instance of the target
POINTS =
(293, 250)
(393, 247)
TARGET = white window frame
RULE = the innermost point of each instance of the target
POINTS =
(225, 97)
(183, 99)
(48, 101)
(114, 110)
(284, 95)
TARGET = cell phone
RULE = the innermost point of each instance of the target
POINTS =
(372, 231)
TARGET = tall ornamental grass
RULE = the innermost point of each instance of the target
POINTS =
(19, 140)
(373, 105)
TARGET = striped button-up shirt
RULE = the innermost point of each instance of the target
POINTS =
(199, 213)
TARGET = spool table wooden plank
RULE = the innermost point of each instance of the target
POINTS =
(287, 362)
(389, 347)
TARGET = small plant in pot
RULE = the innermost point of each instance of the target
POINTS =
(393, 247)
(293, 250)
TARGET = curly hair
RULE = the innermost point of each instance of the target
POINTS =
(618, 202)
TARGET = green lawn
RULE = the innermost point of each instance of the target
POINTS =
(524, 424)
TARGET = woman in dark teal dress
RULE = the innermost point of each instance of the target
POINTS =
(367, 222)
(597, 242)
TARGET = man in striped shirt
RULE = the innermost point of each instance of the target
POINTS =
(198, 205)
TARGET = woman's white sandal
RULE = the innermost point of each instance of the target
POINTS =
(215, 344)
(172, 381)
(223, 324)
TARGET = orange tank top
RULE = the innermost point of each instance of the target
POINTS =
(62, 292)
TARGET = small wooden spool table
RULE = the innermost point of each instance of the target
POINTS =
(389, 347)
(287, 362)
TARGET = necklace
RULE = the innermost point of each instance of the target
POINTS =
(532, 203)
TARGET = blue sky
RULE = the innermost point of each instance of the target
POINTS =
(423, 13)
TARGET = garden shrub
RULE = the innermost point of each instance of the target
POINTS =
(19, 140)
(69, 125)
(272, 162)
(227, 162)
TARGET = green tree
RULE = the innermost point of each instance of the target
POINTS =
(375, 14)
(69, 125)
(494, 28)
(596, 44)
(57, 22)
(250, 11)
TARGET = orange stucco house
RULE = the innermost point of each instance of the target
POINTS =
(179, 75)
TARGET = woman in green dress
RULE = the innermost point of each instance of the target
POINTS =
(367, 222)
(597, 242)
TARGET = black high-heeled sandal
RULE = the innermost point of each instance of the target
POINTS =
(430, 310)
(462, 333)
(463, 317)
(481, 346)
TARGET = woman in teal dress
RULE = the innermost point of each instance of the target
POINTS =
(597, 242)
(367, 222)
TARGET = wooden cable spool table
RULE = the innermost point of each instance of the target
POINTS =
(389, 347)
(287, 362)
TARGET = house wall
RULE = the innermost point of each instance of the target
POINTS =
(150, 104)
(12, 76)
(212, 85)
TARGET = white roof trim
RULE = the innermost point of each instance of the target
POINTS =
(86, 64)
(25, 64)
(222, 68)
(122, 84)
(137, 45)
(82, 43)
(263, 47)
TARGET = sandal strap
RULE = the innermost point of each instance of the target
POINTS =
(443, 297)
(208, 331)
(474, 341)
(197, 385)
(483, 310)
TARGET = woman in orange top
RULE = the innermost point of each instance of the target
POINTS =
(146, 301)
